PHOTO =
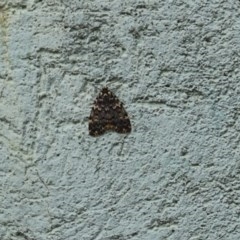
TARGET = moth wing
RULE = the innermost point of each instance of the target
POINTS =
(108, 113)
(95, 125)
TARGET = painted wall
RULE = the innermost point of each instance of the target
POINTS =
(175, 65)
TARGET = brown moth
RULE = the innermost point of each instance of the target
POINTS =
(108, 113)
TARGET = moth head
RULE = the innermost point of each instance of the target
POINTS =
(105, 90)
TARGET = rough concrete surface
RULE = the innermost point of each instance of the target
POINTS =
(175, 65)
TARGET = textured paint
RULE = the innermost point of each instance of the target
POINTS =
(175, 65)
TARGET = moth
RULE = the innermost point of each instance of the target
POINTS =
(107, 114)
